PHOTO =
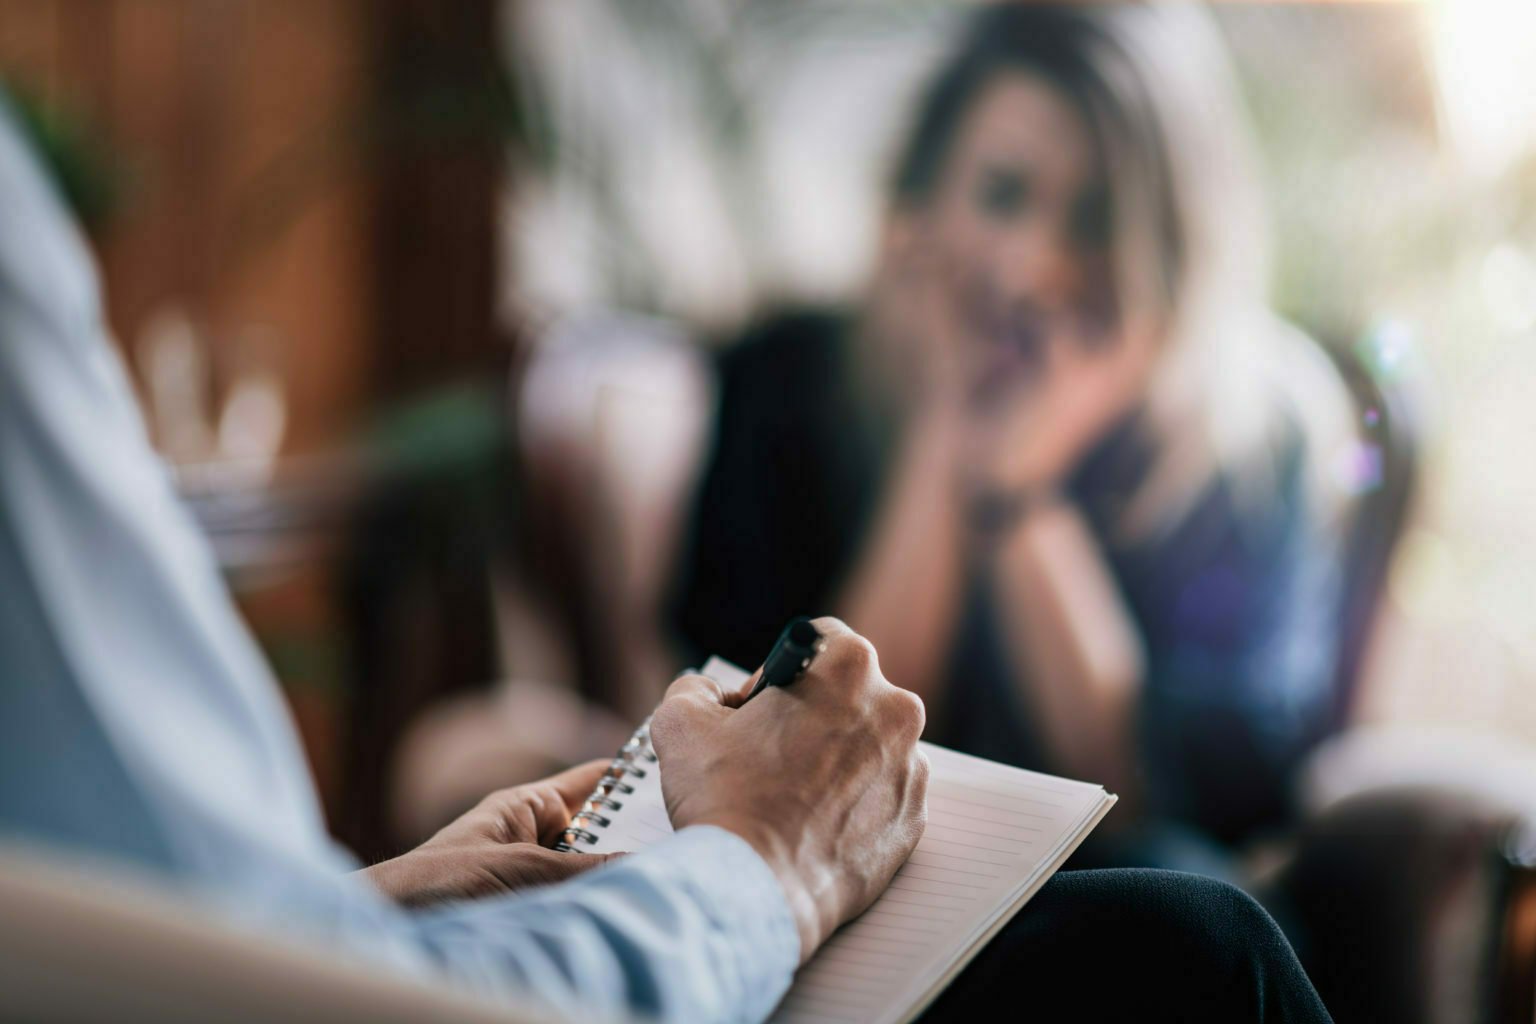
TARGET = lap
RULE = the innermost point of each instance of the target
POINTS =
(1134, 944)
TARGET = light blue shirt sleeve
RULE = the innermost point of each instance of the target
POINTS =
(138, 720)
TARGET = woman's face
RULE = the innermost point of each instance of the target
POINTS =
(1018, 231)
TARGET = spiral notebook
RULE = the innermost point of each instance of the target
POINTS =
(995, 834)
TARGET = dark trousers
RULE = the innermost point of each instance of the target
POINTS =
(1134, 945)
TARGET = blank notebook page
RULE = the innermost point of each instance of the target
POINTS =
(994, 835)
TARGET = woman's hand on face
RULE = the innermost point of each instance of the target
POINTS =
(1033, 440)
(1031, 435)
(911, 337)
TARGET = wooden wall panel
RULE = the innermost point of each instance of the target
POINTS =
(232, 124)
(313, 183)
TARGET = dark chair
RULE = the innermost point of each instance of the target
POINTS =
(1406, 906)
(1385, 411)
(1408, 903)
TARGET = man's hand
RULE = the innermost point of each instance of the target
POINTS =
(822, 778)
(500, 845)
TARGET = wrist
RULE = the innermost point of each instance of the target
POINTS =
(799, 893)
(934, 449)
(935, 433)
(995, 513)
(398, 878)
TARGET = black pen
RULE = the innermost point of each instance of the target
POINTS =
(791, 655)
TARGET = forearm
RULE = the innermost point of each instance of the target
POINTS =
(694, 929)
(1072, 639)
(905, 593)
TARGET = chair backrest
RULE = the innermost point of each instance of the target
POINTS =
(1386, 465)
(80, 945)
(1514, 970)
(1414, 875)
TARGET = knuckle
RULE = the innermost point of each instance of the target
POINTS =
(849, 656)
(911, 710)
(665, 721)
(855, 654)
(830, 626)
(922, 769)
(917, 790)
(902, 714)
(919, 825)
(679, 687)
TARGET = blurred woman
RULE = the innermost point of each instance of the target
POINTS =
(1062, 467)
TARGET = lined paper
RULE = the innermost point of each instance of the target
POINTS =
(642, 817)
(994, 835)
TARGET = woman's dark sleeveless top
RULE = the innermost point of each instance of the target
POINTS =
(1236, 612)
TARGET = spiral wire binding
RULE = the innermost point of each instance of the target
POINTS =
(628, 763)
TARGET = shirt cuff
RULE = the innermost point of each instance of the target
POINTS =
(740, 893)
